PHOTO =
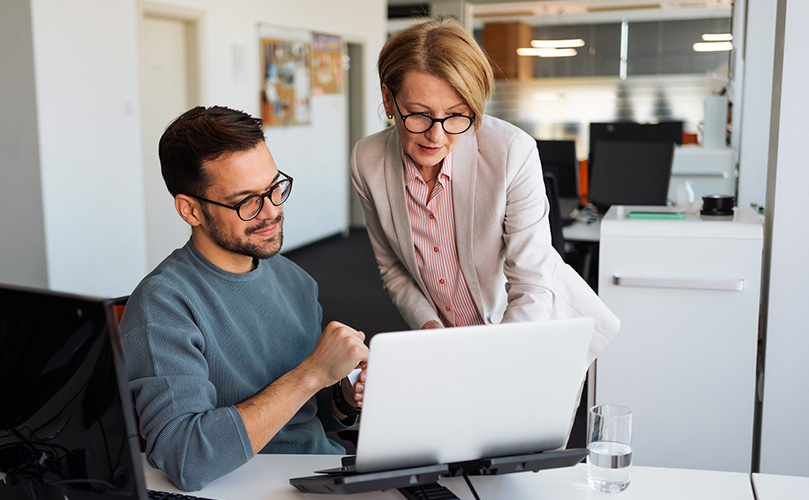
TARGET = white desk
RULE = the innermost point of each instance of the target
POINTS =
(775, 487)
(580, 231)
(266, 477)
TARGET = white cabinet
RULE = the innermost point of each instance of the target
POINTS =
(687, 293)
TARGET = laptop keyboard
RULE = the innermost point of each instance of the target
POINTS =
(165, 495)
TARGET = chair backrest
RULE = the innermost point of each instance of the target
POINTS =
(555, 216)
(559, 158)
(119, 304)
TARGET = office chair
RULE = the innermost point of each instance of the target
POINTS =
(559, 158)
(555, 215)
(119, 304)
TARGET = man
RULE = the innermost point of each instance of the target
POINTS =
(222, 340)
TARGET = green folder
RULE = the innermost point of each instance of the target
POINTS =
(655, 215)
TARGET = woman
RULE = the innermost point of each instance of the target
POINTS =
(454, 200)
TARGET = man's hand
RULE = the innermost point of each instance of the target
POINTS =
(339, 350)
(431, 324)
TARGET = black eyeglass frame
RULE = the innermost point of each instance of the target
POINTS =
(432, 120)
(261, 197)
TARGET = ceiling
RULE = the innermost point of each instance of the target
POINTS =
(549, 12)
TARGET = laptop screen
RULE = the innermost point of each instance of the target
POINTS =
(66, 428)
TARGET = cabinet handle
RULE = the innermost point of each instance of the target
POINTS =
(718, 284)
(723, 175)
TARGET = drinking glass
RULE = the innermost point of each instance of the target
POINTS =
(609, 441)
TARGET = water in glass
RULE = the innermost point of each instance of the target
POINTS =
(609, 466)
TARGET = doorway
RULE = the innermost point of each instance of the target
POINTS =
(169, 51)
(356, 122)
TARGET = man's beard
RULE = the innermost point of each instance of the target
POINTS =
(243, 245)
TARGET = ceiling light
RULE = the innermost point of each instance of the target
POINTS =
(712, 46)
(557, 44)
(546, 52)
(717, 37)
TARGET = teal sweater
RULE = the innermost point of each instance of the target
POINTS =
(197, 340)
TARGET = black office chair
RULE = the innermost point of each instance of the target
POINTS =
(559, 158)
(555, 215)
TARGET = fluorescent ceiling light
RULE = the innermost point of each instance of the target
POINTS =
(717, 37)
(546, 52)
(712, 46)
(557, 44)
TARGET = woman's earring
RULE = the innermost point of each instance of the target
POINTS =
(390, 116)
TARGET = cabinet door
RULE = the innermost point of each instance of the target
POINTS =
(685, 358)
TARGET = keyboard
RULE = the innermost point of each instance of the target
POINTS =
(165, 495)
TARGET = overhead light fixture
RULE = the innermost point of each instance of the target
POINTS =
(557, 44)
(712, 46)
(717, 37)
(546, 52)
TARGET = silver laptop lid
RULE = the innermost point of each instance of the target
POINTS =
(448, 395)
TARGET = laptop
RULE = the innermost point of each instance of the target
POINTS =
(475, 396)
(67, 427)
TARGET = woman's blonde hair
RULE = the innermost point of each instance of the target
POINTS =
(443, 49)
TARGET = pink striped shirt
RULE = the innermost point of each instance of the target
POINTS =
(432, 222)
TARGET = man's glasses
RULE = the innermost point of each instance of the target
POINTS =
(418, 123)
(250, 207)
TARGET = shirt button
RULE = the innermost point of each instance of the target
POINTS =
(435, 249)
(447, 308)
(432, 216)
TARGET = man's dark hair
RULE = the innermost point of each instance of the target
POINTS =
(199, 135)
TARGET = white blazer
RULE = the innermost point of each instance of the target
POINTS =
(501, 231)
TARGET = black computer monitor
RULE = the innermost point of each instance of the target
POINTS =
(630, 173)
(670, 132)
(559, 158)
(66, 426)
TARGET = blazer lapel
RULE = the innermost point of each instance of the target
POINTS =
(394, 183)
(464, 180)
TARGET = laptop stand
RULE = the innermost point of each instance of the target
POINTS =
(421, 483)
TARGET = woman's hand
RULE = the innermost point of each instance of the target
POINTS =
(431, 324)
(358, 389)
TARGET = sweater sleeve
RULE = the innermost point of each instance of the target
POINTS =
(188, 437)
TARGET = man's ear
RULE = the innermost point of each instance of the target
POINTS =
(189, 209)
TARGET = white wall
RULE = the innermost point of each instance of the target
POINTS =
(80, 134)
(755, 106)
(784, 440)
(89, 144)
(22, 244)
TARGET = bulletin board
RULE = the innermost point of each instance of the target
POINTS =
(286, 73)
(328, 52)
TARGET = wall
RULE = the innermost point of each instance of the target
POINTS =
(89, 144)
(80, 134)
(783, 436)
(755, 109)
(22, 251)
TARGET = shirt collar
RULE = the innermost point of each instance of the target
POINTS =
(411, 173)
